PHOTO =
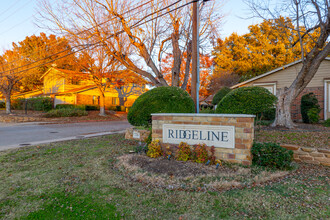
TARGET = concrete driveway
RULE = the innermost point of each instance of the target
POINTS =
(23, 134)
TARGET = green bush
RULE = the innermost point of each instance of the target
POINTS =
(271, 155)
(92, 107)
(159, 100)
(65, 112)
(2, 105)
(268, 115)
(220, 94)
(313, 115)
(308, 102)
(247, 100)
(206, 111)
(17, 104)
(65, 106)
(326, 123)
(36, 104)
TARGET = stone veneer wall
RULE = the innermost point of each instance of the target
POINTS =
(309, 155)
(244, 132)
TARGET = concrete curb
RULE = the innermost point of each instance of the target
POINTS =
(78, 137)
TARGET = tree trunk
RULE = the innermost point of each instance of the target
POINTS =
(177, 59)
(8, 106)
(187, 70)
(102, 102)
(283, 109)
(121, 101)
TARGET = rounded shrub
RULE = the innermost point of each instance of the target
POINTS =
(271, 155)
(247, 100)
(220, 94)
(159, 100)
(309, 101)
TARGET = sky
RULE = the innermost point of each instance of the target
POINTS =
(17, 20)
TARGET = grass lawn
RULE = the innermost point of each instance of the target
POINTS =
(78, 180)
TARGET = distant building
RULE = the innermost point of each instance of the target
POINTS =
(70, 87)
(284, 76)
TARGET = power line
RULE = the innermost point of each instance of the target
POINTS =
(81, 32)
(137, 24)
(15, 11)
(4, 11)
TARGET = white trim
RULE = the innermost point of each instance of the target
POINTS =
(270, 72)
(326, 98)
(267, 84)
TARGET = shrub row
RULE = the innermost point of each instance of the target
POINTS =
(199, 153)
(81, 107)
(36, 104)
(66, 112)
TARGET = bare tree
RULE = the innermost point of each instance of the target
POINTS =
(9, 78)
(133, 35)
(311, 17)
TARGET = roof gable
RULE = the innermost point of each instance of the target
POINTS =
(270, 72)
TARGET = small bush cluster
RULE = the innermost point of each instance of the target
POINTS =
(154, 149)
(2, 105)
(247, 100)
(220, 94)
(271, 155)
(159, 100)
(35, 104)
(309, 108)
(199, 153)
(65, 112)
(184, 152)
(326, 123)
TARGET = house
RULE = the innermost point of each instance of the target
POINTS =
(284, 76)
(70, 87)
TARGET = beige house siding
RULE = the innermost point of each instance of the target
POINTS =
(284, 78)
(281, 78)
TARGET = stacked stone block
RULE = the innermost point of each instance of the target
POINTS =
(309, 155)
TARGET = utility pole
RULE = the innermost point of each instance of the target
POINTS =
(195, 56)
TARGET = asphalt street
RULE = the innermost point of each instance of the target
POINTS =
(23, 134)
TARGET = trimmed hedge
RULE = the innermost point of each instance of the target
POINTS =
(271, 155)
(247, 100)
(220, 94)
(36, 104)
(159, 100)
(309, 101)
(81, 107)
(65, 112)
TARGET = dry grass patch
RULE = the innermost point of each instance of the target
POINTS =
(190, 176)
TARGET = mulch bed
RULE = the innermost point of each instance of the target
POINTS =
(176, 168)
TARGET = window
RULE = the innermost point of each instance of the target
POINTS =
(115, 101)
(271, 87)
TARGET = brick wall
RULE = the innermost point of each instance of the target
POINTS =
(295, 107)
(244, 132)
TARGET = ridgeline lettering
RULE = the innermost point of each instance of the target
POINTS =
(198, 135)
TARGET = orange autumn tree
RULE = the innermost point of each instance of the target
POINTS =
(266, 47)
(42, 52)
(205, 72)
